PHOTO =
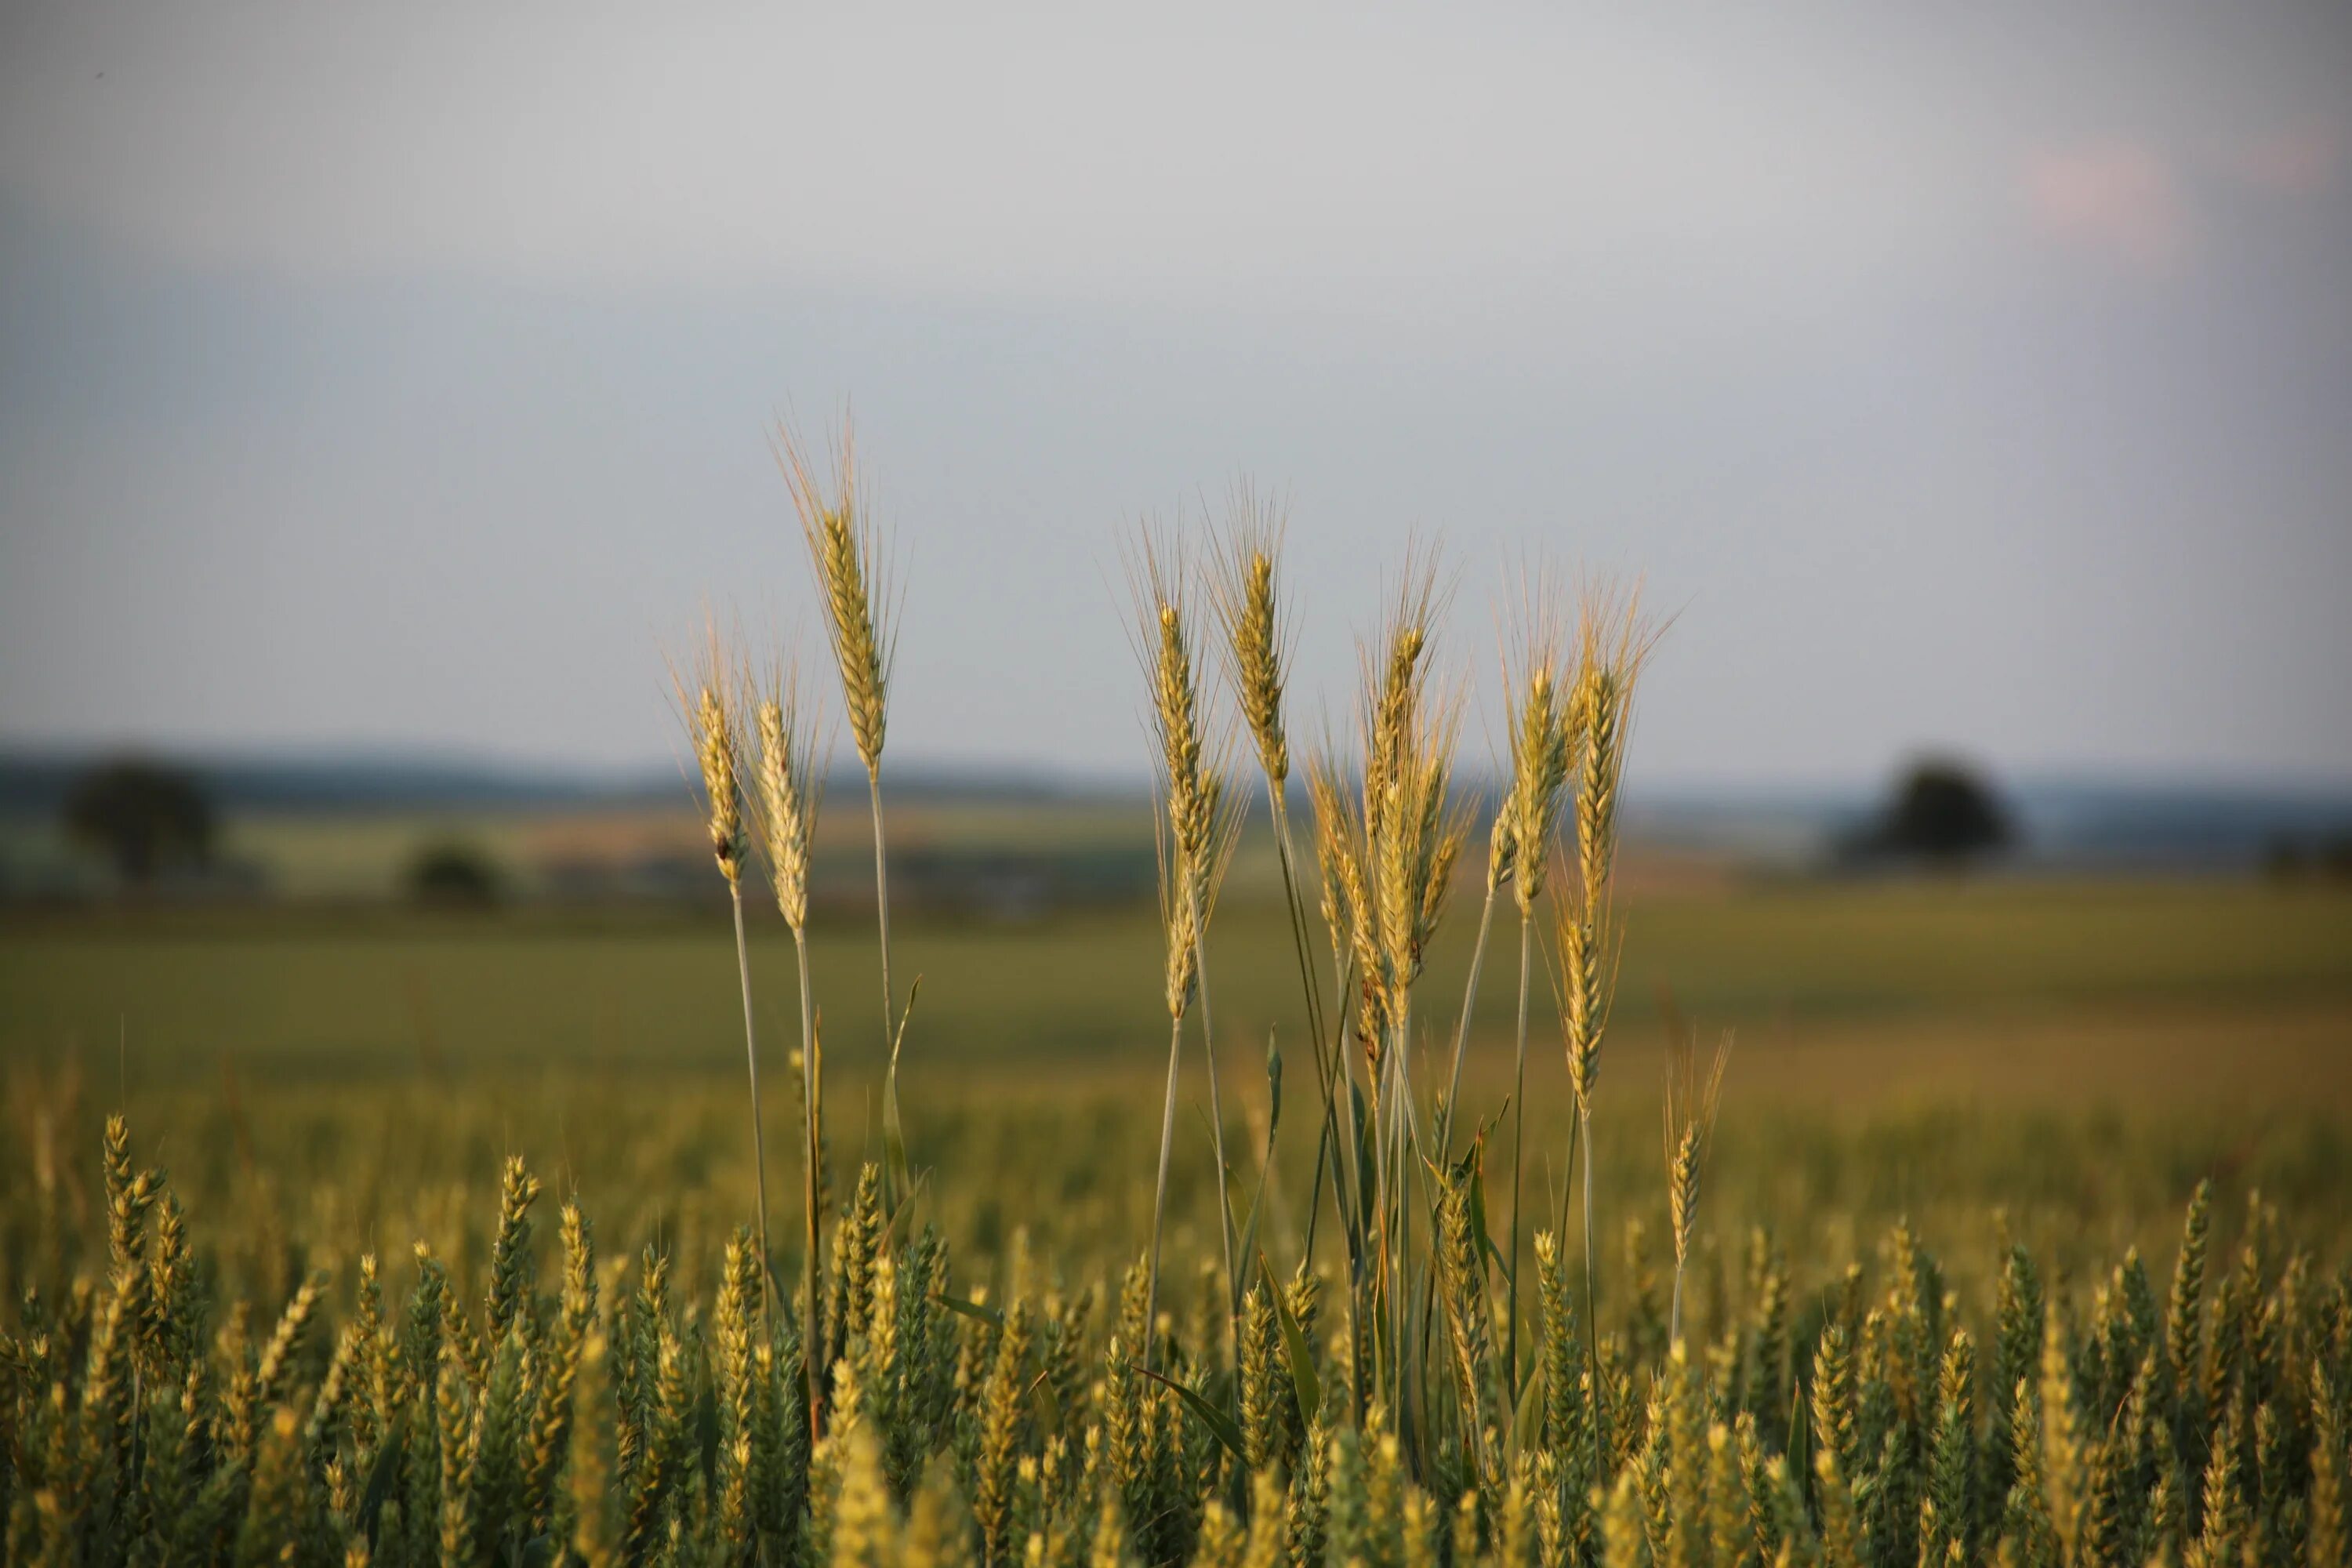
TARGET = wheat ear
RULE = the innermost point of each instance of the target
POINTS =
(1693, 1097)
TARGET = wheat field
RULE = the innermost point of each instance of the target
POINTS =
(1430, 1281)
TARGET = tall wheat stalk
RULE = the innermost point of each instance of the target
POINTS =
(790, 788)
(844, 546)
(1611, 645)
(1545, 743)
(1341, 892)
(1196, 827)
(1246, 592)
(707, 696)
(1414, 835)
(1389, 853)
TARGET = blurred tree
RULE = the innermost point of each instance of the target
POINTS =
(2336, 857)
(1941, 811)
(145, 816)
(454, 875)
(2283, 857)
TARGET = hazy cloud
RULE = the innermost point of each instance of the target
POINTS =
(2297, 160)
(2119, 198)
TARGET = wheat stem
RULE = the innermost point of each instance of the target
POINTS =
(1216, 1124)
(752, 1063)
(1518, 1152)
(1461, 1029)
(893, 1031)
(1345, 1076)
(1327, 1128)
(1675, 1310)
(1592, 1330)
(1159, 1190)
(813, 1159)
(1401, 1255)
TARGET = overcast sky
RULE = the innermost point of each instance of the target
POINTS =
(400, 376)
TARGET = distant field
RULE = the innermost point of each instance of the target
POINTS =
(1927, 1074)
(1966, 987)
(2080, 1054)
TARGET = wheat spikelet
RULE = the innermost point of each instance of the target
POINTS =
(1191, 765)
(1692, 1098)
(1198, 814)
(1542, 750)
(844, 546)
(789, 788)
(707, 694)
(1245, 590)
(1393, 683)
(1613, 640)
(1347, 903)
(1177, 921)
(1411, 834)
(1431, 844)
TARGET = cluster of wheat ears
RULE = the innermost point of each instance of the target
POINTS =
(1389, 830)
(890, 1415)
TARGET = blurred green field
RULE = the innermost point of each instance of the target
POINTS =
(2061, 1045)
(330, 991)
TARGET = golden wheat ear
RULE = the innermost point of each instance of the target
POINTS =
(707, 690)
(1539, 683)
(788, 782)
(854, 578)
(1245, 593)
(1693, 1097)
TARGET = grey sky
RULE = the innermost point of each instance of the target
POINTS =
(399, 374)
